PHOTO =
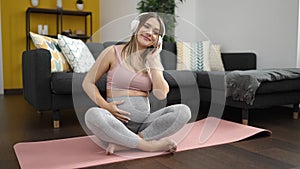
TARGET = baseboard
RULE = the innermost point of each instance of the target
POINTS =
(13, 91)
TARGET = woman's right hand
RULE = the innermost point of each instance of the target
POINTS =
(122, 115)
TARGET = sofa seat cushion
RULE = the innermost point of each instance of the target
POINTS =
(61, 83)
(211, 79)
(183, 78)
(279, 86)
(204, 80)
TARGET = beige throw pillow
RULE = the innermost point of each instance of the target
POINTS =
(58, 61)
(193, 55)
(215, 60)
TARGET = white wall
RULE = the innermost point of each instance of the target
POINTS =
(186, 28)
(115, 18)
(1, 63)
(267, 27)
(116, 15)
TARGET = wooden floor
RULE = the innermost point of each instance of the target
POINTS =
(19, 122)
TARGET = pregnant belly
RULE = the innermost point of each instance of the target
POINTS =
(137, 106)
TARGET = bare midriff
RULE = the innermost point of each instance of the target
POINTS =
(118, 93)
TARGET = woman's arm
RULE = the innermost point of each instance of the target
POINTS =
(160, 87)
(101, 66)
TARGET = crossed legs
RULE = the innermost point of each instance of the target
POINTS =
(153, 131)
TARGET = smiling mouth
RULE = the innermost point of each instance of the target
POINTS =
(146, 38)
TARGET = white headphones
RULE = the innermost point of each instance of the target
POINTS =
(135, 23)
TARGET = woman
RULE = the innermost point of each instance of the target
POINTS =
(124, 120)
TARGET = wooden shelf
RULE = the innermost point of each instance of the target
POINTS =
(59, 21)
(79, 36)
(57, 11)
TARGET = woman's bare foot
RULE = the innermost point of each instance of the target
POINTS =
(173, 148)
(171, 145)
(112, 148)
(167, 145)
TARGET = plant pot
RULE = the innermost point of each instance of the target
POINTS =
(34, 3)
(79, 7)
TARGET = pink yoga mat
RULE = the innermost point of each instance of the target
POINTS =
(81, 152)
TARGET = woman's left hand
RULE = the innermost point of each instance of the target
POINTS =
(153, 56)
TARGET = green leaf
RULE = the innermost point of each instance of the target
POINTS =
(165, 7)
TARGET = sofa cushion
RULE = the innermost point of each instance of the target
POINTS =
(61, 83)
(239, 61)
(215, 60)
(77, 54)
(279, 86)
(193, 55)
(182, 78)
(58, 61)
(95, 48)
(110, 43)
(204, 80)
(170, 47)
(168, 56)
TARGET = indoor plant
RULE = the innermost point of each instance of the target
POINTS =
(79, 4)
(166, 9)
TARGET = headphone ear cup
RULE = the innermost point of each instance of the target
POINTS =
(134, 25)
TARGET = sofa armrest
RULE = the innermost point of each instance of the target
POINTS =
(239, 61)
(36, 74)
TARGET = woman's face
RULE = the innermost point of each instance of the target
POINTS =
(148, 33)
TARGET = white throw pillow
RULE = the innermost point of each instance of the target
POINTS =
(77, 53)
(193, 55)
(215, 59)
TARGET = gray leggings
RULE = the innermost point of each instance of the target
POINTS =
(152, 126)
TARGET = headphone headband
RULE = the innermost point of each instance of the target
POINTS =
(135, 23)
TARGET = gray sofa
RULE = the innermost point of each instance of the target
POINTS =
(47, 91)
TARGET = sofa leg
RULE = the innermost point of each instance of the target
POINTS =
(56, 115)
(56, 124)
(245, 116)
(296, 115)
(295, 111)
(39, 112)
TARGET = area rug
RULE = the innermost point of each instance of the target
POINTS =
(80, 152)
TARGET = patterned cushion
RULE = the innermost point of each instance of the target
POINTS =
(58, 61)
(193, 55)
(76, 53)
(215, 60)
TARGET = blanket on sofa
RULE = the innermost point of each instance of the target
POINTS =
(242, 85)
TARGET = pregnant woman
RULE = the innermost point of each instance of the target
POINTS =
(123, 119)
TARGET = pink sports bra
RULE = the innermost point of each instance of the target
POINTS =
(121, 78)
